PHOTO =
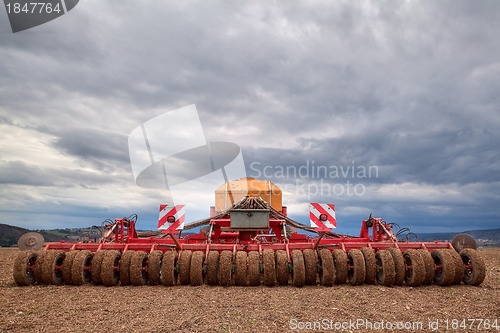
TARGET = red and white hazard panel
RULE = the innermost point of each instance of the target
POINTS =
(171, 218)
(322, 216)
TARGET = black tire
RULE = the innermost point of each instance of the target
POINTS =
(459, 266)
(225, 268)
(298, 269)
(39, 266)
(430, 268)
(125, 267)
(253, 268)
(67, 267)
(445, 267)
(370, 265)
(311, 266)
(414, 268)
(475, 268)
(24, 268)
(168, 268)
(185, 267)
(154, 267)
(327, 271)
(269, 269)
(52, 267)
(213, 268)
(341, 267)
(357, 269)
(399, 265)
(110, 268)
(95, 269)
(386, 272)
(241, 269)
(138, 268)
(282, 272)
(80, 270)
(196, 270)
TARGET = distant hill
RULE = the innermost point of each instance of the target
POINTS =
(491, 234)
(9, 234)
(486, 237)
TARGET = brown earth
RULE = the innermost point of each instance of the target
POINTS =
(243, 309)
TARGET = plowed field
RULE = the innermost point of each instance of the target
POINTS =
(344, 308)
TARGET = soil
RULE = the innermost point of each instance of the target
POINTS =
(91, 308)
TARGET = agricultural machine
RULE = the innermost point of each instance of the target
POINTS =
(249, 240)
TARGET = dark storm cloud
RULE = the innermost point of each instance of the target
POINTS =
(104, 149)
(21, 173)
(408, 87)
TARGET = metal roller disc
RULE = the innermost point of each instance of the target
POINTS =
(463, 241)
(30, 241)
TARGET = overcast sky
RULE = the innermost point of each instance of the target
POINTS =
(406, 89)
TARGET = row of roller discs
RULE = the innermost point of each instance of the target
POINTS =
(308, 267)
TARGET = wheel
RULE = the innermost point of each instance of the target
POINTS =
(39, 266)
(282, 272)
(52, 267)
(445, 267)
(95, 269)
(32, 241)
(110, 268)
(399, 265)
(241, 270)
(125, 267)
(138, 268)
(80, 270)
(154, 267)
(463, 241)
(67, 266)
(168, 268)
(327, 272)
(311, 266)
(459, 266)
(185, 267)
(429, 266)
(24, 268)
(253, 268)
(298, 269)
(386, 272)
(414, 268)
(340, 264)
(357, 269)
(212, 268)
(370, 265)
(475, 269)
(196, 269)
(225, 268)
(269, 268)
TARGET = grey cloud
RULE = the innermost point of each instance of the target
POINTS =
(104, 149)
(411, 88)
(21, 173)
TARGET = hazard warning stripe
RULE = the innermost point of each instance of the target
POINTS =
(165, 213)
(330, 214)
(316, 223)
(316, 210)
(327, 209)
(177, 211)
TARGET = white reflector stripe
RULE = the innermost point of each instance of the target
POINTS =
(316, 210)
(177, 211)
